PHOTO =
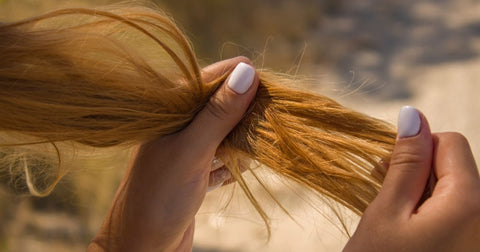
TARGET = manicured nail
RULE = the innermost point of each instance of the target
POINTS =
(408, 122)
(220, 175)
(216, 163)
(241, 78)
(211, 188)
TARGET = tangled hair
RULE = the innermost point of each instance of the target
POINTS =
(126, 75)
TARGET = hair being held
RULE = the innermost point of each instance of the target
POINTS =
(126, 75)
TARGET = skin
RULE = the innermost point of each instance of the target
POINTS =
(155, 206)
(449, 220)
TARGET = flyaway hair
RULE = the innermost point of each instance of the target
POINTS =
(126, 75)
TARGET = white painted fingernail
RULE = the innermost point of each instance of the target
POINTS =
(211, 188)
(408, 122)
(216, 164)
(241, 78)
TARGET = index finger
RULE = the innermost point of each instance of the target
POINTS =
(453, 157)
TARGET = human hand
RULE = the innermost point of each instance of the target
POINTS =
(155, 207)
(449, 220)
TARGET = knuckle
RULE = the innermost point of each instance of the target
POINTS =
(458, 137)
(406, 159)
(453, 137)
(225, 106)
(217, 108)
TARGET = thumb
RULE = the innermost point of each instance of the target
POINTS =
(410, 164)
(225, 108)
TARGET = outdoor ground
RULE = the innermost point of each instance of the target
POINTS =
(376, 56)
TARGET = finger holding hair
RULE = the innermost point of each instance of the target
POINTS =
(458, 178)
(222, 113)
(227, 106)
(410, 164)
(160, 195)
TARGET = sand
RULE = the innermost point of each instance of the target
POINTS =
(446, 89)
(432, 64)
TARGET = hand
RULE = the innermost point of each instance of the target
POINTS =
(155, 206)
(449, 220)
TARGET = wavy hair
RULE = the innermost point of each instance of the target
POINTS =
(126, 75)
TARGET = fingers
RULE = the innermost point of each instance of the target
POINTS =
(218, 178)
(222, 113)
(453, 158)
(226, 107)
(410, 164)
(221, 175)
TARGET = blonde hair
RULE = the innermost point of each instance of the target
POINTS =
(123, 76)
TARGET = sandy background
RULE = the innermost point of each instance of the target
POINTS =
(376, 57)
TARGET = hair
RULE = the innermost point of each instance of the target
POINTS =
(122, 76)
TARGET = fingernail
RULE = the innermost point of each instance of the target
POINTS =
(211, 188)
(223, 174)
(408, 122)
(216, 163)
(241, 78)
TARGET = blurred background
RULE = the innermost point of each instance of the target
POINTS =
(372, 56)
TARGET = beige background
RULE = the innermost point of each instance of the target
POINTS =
(436, 58)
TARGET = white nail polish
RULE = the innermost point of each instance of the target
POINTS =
(408, 122)
(241, 78)
(211, 188)
(216, 164)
